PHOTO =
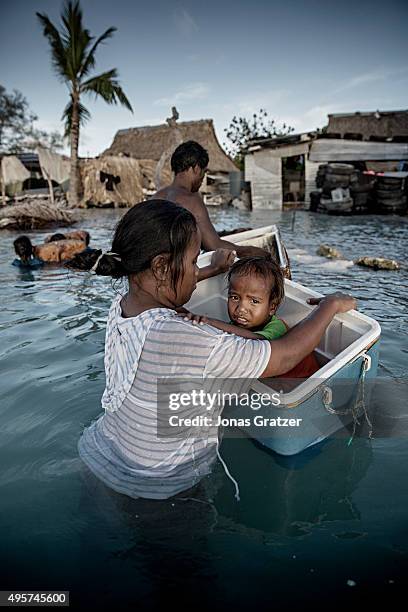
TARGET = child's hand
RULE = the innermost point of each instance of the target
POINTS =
(196, 319)
(222, 259)
(341, 302)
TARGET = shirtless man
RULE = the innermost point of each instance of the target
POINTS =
(50, 252)
(74, 235)
(189, 163)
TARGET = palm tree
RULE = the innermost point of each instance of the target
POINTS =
(73, 57)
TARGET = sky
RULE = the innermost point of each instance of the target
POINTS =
(298, 59)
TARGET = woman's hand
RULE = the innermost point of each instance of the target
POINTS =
(341, 302)
(222, 260)
(196, 319)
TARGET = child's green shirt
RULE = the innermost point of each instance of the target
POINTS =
(274, 329)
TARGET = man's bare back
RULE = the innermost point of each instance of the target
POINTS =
(189, 163)
(181, 196)
(193, 202)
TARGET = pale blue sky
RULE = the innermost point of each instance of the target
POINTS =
(297, 59)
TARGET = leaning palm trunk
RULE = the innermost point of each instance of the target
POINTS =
(74, 172)
(73, 56)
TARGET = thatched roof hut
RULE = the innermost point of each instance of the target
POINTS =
(370, 126)
(150, 142)
(111, 181)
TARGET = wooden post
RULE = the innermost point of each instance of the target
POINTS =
(3, 186)
(50, 187)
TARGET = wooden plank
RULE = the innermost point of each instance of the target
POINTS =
(338, 150)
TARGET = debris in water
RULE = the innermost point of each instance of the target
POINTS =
(351, 583)
(325, 250)
(377, 263)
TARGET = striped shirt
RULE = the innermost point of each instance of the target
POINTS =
(123, 447)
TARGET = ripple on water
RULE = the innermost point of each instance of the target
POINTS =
(51, 358)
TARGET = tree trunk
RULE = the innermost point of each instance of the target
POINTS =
(3, 185)
(74, 173)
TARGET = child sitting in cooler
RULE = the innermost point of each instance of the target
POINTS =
(255, 291)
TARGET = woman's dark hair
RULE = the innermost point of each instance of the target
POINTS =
(23, 247)
(188, 155)
(267, 268)
(148, 229)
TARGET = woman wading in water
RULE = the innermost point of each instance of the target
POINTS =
(156, 246)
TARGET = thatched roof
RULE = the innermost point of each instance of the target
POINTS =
(378, 124)
(150, 142)
(108, 181)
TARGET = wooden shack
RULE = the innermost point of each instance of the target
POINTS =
(373, 141)
(279, 169)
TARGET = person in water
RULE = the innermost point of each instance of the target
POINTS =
(155, 247)
(255, 291)
(55, 250)
(189, 163)
(74, 235)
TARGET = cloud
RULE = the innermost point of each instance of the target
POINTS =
(247, 105)
(185, 22)
(371, 77)
(317, 116)
(190, 93)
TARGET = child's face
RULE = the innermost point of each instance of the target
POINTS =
(249, 304)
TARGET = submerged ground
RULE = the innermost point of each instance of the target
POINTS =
(333, 520)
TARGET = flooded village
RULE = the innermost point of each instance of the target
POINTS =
(357, 163)
(204, 290)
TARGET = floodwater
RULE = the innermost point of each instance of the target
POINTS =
(332, 521)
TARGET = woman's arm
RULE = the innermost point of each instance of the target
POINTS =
(227, 327)
(288, 351)
(233, 329)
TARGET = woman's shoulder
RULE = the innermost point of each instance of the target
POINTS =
(173, 328)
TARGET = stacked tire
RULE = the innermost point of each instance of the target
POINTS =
(339, 175)
(335, 176)
(363, 193)
(391, 195)
(321, 175)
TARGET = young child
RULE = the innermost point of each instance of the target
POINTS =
(255, 291)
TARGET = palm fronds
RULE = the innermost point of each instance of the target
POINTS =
(107, 87)
(89, 61)
(58, 51)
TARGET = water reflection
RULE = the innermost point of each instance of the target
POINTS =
(88, 538)
(288, 496)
